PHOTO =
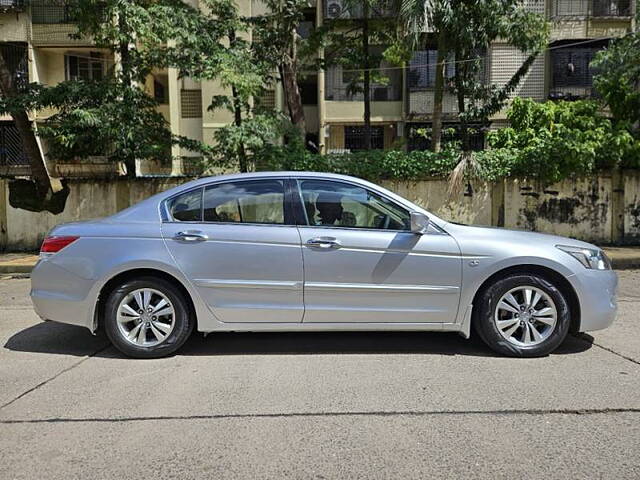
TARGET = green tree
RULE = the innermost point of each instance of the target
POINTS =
(618, 80)
(464, 31)
(553, 140)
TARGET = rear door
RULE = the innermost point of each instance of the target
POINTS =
(363, 264)
(237, 243)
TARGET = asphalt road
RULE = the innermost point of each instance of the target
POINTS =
(344, 405)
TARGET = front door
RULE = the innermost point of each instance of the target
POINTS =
(237, 245)
(363, 264)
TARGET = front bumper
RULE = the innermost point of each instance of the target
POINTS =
(597, 292)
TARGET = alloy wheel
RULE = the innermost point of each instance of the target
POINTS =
(145, 317)
(526, 316)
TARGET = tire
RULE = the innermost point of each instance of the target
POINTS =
(512, 334)
(157, 336)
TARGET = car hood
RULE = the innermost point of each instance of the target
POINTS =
(465, 233)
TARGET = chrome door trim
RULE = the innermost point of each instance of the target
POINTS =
(378, 287)
(270, 284)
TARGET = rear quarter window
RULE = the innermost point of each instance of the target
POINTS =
(186, 207)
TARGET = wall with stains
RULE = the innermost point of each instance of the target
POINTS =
(603, 209)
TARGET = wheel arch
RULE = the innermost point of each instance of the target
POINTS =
(550, 274)
(126, 275)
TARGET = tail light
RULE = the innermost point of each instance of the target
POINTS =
(54, 244)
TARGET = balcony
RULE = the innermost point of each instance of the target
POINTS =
(53, 23)
(352, 9)
(591, 8)
(345, 85)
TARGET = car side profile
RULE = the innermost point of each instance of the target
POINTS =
(303, 251)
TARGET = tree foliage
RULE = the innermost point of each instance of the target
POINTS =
(618, 80)
(553, 140)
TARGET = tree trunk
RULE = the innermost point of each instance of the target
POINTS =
(27, 135)
(464, 128)
(237, 114)
(292, 96)
(125, 63)
(289, 75)
(438, 95)
(366, 87)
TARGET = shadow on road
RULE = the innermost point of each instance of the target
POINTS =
(55, 338)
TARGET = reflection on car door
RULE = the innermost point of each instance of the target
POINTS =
(236, 243)
(362, 264)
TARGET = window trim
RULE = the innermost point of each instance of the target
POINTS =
(289, 216)
(299, 206)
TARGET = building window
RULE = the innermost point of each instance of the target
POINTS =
(354, 138)
(572, 75)
(309, 90)
(422, 69)
(160, 93)
(191, 103)
(267, 100)
(611, 8)
(15, 56)
(84, 66)
(11, 150)
(419, 135)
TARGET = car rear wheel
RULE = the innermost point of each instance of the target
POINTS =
(522, 315)
(147, 318)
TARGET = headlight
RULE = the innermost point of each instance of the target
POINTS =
(592, 258)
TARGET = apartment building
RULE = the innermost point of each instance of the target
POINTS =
(35, 40)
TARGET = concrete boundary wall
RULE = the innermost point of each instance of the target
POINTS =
(603, 209)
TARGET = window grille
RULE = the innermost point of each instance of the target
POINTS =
(11, 150)
(354, 138)
(7, 5)
(191, 103)
(15, 56)
(52, 11)
(268, 99)
(611, 8)
(419, 140)
(572, 75)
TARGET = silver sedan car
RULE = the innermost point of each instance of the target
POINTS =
(301, 251)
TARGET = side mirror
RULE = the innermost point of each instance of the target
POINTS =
(419, 223)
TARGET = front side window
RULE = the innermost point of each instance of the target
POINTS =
(338, 204)
(256, 201)
(186, 207)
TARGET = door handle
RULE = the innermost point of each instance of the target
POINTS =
(324, 242)
(190, 236)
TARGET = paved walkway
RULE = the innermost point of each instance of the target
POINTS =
(10, 263)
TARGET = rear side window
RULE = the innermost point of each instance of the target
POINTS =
(187, 207)
(255, 201)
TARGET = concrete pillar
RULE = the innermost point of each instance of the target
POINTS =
(4, 234)
(174, 119)
(617, 206)
(497, 203)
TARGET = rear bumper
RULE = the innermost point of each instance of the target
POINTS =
(597, 292)
(60, 295)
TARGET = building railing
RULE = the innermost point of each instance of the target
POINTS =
(591, 8)
(353, 9)
(52, 12)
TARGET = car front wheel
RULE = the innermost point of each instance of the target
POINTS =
(147, 318)
(522, 315)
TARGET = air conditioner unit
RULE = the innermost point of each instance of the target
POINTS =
(335, 9)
